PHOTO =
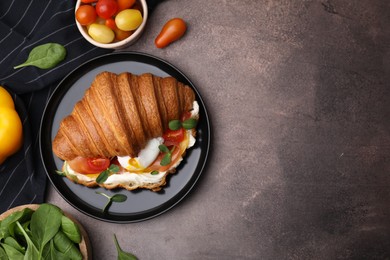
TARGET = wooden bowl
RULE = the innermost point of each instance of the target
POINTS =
(85, 244)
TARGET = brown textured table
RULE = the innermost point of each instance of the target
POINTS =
(299, 98)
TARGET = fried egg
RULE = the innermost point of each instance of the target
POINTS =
(145, 157)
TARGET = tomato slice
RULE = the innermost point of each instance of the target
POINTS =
(173, 137)
(89, 165)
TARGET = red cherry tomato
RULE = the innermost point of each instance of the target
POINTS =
(173, 30)
(86, 14)
(173, 137)
(106, 8)
(111, 23)
(125, 4)
(89, 165)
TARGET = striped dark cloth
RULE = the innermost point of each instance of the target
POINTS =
(25, 24)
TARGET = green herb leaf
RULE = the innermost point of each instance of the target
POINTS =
(122, 255)
(114, 198)
(45, 56)
(154, 173)
(103, 176)
(114, 168)
(166, 159)
(31, 251)
(119, 198)
(163, 148)
(174, 125)
(12, 252)
(64, 245)
(190, 123)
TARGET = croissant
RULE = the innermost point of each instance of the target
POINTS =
(119, 114)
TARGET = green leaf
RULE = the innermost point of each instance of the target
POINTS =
(119, 198)
(70, 229)
(154, 173)
(63, 244)
(103, 176)
(3, 254)
(54, 253)
(15, 244)
(32, 252)
(61, 173)
(166, 159)
(8, 225)
(45, 223)
(190, 123)
(114, 168)
(122, 255)
(45, 56)
(163, 148)
(174, 125)
(115, 198)
(12, 252)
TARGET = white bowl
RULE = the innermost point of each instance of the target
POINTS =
(120, 44)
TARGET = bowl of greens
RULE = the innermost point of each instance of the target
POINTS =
(42, 232)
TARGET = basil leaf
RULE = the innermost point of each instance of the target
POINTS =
(174, 125)
(45, 56)
(154, 173)
(119, 198)
(122, 255)
(45, 223)
(70, 229)
(190, 123)
(166, 159)
(163, 148)
(103, 176)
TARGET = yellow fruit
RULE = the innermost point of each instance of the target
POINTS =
(11, 129)
(128, 19)
(6, 99)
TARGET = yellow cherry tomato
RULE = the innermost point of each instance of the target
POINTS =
(11, 132)
(128, 19)
(101, 33)
(6, 99)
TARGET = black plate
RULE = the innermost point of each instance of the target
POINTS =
(140, 204)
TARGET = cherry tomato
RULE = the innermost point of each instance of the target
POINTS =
(128, 19)
(106, 8)
(89, 165)
(173, 137)
(121, 35)
(111, 23)
(86, 14)
(101, 33)
(88, 1)
(173, 30)
(125, 4)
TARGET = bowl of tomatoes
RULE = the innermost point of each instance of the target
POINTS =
(111, 24)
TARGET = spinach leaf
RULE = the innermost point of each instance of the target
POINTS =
(3, 254)
(45, 223)
(7, 227)
(15, 244)
(70, 229)
(31, 251)
(45, 56)
(122, 255)
(55, 254)
(12, 252)
(63, 244)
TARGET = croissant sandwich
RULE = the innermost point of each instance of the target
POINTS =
(128, 131)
